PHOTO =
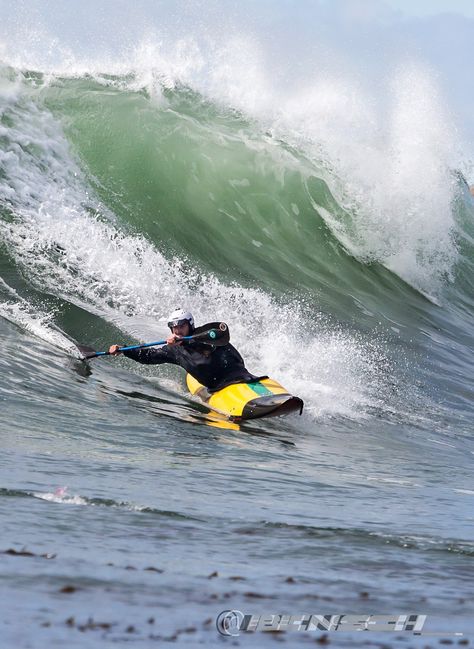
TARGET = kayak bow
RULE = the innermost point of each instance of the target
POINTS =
(238, 401)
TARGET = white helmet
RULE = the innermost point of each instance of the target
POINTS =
(180, 316)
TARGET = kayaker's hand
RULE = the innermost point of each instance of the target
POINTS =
(114, 350)
(173, 339)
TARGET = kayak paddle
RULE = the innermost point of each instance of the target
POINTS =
(218, 335)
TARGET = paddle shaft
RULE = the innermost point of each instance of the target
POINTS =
(125, 349)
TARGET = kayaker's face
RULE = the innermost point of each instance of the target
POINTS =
(181, 329)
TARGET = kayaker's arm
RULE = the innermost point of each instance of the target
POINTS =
(147, 356)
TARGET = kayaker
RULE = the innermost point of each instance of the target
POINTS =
(214, 367)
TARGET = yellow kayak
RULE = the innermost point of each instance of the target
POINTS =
(239, 401)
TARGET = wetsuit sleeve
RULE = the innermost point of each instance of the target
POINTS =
(150, 356)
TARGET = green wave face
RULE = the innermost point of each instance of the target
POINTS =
(232, 197)
(202, 182)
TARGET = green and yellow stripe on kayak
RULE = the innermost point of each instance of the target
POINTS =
(239, 401)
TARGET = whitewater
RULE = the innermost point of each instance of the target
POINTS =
(327, 219)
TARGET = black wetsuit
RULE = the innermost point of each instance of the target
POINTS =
(214, 367)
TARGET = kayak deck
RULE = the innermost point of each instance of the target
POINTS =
(239, 401)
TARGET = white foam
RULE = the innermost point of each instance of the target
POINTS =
(61, 496)
(31, 318)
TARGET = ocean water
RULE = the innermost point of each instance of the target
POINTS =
(336, 241)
